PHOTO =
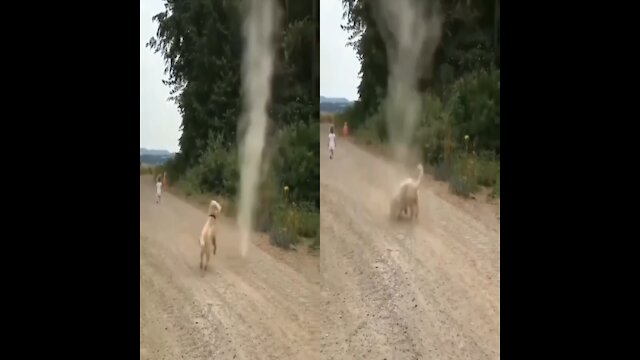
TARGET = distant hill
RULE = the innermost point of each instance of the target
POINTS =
(154, 157)
(333, 105)
(324, 99)
(144, 151)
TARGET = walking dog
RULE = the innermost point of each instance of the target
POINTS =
(208, 235)
(405, 200)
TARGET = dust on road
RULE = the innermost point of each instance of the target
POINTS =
(401, 291)
(243, 308)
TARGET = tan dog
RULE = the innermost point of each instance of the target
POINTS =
(208, 235)
(405, 200)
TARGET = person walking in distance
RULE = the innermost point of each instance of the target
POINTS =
(158, 189)
(332, 142)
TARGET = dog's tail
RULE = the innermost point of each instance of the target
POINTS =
(214, 205)
(420, 173)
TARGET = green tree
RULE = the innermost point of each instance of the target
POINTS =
(201, 43)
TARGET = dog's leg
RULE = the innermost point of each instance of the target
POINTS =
(201, 258)
(416, 209)
(214, 244)
(406, 212)
(403, 213)
(206, 264)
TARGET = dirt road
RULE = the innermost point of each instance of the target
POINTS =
(401, 291)
(251, 308)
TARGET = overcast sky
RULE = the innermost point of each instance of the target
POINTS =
(159, 118)
(339, 66)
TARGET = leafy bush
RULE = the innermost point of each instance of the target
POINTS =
(282, 237)
(218, 165)
(464, 176)
(488, 170)
(442, 171)
(470, 171)
(474, 106)
(434, 132)
(297, 162)
(496, 188)
(293, 222)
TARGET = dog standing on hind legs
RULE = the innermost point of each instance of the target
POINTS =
(405, 200)
(208, 235)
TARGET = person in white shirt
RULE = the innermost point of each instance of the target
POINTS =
(158, 189)
(332, 142)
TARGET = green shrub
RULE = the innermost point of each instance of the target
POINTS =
(496, 188)
(367, 134)
(269, 198)
(474, 106)
(304, 221)
(297, 163)
(292, 222)
(464, 176)
(282, 237)
(442, 171)
(433, 131)
(373, 130)
(219, 173)
(461, 185)
(488, 172)
(282, 232)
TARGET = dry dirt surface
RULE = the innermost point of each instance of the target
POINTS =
(242, 308)
(429, 290)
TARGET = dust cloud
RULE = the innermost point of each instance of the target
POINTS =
(411, 32)
(257, 70)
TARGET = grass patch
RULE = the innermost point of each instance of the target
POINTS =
(293, 225)
(202, 199)
(464, 176)
(146, 169)
(488, 169)
(469, 172)
(495, 193)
